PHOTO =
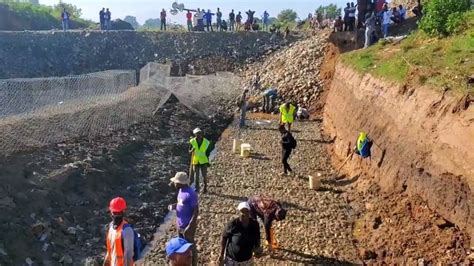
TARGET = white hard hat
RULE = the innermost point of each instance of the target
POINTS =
(197, 130)
(243, 205)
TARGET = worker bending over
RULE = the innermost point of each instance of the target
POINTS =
(267, 210)
(269, 97)
(364, 146)
(200, 149)
(287, 114)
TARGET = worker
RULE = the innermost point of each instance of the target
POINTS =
(120, 236)
(267, 210)
(200, 149)
(243, 108)
(256, 81)
(240, 239)
(302, 113)
(268, 99)
(287, 114)
(179, 252)
(187, 210)
(288, 144)
(363, 146)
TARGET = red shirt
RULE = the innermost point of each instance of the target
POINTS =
(379, 5)
(189, 16)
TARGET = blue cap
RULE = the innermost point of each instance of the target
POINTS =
(177, 245)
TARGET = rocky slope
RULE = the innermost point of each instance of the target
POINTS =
(45, 54)
(293, 70)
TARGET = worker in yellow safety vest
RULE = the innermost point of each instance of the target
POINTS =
(200, 149)
(287, 114)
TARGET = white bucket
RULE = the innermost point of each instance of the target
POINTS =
(315, 181)
(245, 150)
(236, 146)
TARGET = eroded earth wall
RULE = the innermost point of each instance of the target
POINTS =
(424, 146)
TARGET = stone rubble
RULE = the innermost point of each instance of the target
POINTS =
(318, 226)
(294, 71)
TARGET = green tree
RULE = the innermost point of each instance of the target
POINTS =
(330, 10)
(73, 10)
(133, 21)
(287, 15)
(152, 23)
(444, 17)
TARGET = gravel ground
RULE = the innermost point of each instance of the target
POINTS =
(318, 227)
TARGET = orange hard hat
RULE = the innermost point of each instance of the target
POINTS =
(117, 204)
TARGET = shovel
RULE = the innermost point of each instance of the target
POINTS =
(342, 165)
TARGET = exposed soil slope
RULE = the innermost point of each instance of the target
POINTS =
(423, 158)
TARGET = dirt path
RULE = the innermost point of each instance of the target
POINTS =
(318, 227)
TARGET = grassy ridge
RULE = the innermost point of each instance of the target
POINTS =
(26, 16)
(437, 62)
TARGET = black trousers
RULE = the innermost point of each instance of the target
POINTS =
(285, 156)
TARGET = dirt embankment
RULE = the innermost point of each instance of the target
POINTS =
(422, 165)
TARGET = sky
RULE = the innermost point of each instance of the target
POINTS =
(145, 9)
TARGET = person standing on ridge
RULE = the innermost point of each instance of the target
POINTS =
(108, 20)
(352, 16)
(266, 18)
(232, 21)
(369, 28)
(200, 149)
(189, 19)
(65, 20)
(238, 20)
(200, 20)
(163, 19)
(250, 15)
(120, 236)
(187, 210)
(208, 16)
(102, 18)
(287, 114)
(268, 210)
(219, 20)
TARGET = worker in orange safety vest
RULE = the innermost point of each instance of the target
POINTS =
(120, 236)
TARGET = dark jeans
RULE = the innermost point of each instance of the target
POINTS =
(190, 238)
(196, 171)
(163, 24)
(285, 156)
(209, 25)
(268, 103)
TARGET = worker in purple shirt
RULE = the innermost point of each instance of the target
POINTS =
(187, 210)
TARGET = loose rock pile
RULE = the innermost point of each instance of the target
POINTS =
(293, 71)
